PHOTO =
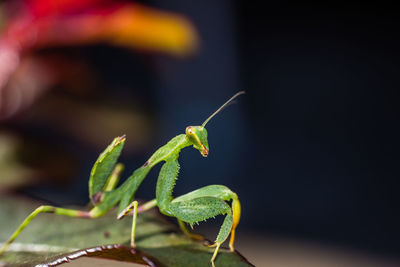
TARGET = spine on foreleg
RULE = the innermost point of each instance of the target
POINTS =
(225, 229)
(166, 183)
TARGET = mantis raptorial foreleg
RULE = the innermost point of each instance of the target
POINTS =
(199, 205)
(220, 192)
(200, 209)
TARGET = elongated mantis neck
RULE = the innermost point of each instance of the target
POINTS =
(222, 107)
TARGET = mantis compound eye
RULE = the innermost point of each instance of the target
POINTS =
(189, 130)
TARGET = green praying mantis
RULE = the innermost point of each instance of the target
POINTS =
(199, 205)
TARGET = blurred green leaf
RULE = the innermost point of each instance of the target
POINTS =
(55, 239)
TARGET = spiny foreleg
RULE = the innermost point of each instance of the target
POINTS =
(220, 192)
(199, 205)
(200, 209)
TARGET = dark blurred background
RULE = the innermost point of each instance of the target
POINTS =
(323, 117)
(311, 149)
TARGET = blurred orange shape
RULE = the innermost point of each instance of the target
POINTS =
(122, 23)
(130, 25)
(146, 28)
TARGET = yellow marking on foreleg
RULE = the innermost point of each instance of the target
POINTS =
(236, 210)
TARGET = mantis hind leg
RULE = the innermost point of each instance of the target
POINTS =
(46, 209)
(187, 232)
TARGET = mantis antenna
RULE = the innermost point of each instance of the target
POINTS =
(222, 107)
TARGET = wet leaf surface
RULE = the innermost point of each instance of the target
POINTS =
(52, 239)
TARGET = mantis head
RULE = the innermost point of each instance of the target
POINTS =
(198, 134)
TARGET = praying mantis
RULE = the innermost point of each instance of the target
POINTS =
(193, 207)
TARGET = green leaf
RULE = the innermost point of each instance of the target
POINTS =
(104, 166)
(51, 238)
